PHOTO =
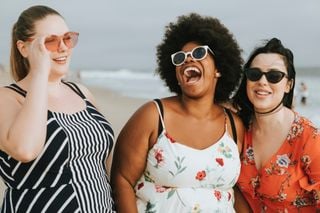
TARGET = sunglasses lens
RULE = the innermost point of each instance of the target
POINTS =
(199, 53)
(70, 39)
(52, 43)
(274, 76)
(253, 74)
(178, 58)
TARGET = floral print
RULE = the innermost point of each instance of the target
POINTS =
(225, 150)
(220, 161)
(283, 160)
(289, 181)
(217, 194)
(158, 156)
(201, 175)
(178, 166)
(249, 153)
(178, 178)
(196, 208)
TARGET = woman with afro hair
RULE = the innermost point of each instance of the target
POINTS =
(181, 153)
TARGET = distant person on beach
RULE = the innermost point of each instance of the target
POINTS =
(280, 161)
(181, 153)
(304, 93)
(53, 141)
(1, 68)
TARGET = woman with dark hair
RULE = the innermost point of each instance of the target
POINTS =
(181, 153)
(53, 141)
(280, 169)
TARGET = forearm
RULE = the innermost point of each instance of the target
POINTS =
(125, 199)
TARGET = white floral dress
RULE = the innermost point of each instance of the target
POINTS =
(178, 178)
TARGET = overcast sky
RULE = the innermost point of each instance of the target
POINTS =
(117, 34)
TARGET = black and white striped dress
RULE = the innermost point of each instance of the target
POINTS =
(70, 174)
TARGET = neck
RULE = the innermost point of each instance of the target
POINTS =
(199, 108)
(278, 120)
(270, 112)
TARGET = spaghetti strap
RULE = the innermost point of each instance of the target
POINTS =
(17, 89)
(160, 110)
(233, 126)
(75, 88)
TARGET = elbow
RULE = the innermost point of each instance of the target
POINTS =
(20, 153)
(25, 156)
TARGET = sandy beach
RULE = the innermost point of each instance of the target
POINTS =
(116, 108)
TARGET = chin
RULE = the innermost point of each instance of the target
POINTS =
(60, 71)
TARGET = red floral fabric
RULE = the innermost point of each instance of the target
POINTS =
(290, 180)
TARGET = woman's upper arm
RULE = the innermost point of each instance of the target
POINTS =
(309, 157)
(132, 146)
(9, 108)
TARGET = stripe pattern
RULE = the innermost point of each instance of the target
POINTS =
(70, 174)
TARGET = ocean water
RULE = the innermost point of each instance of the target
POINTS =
(312, 109)
(148, 85)
(137, 84)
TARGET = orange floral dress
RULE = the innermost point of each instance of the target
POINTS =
(290, 179)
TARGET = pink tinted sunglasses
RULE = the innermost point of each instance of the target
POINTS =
(52, 42)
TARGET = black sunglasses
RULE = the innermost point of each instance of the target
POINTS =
(197, 53)
(273, 76)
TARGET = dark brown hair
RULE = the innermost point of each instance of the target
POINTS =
(273, 45)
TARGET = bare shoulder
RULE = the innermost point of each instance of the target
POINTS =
(83, 89)
(87, 93)
(10, 104)
(8, 97)
(142, 124)
(145, 113)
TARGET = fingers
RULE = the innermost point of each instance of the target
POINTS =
(38, 44)
(39, 56)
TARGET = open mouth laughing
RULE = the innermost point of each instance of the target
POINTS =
(192, 75)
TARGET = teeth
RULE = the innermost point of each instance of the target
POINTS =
(61, 58)
(259, 92)
(189, 70)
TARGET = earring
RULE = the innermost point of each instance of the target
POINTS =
(217, 74)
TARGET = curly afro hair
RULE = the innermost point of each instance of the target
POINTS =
(204, 30)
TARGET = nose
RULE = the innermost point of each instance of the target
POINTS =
(189, 57)
(62, 46)
(263, 79)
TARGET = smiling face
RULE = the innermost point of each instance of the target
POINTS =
(60, 59)
(262, 94)
(197, 77)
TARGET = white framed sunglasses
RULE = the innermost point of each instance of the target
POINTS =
(198, 53)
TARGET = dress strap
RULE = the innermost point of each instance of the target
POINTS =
(160, 110)
(75, 88)
(233, 126)
(17, 89)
